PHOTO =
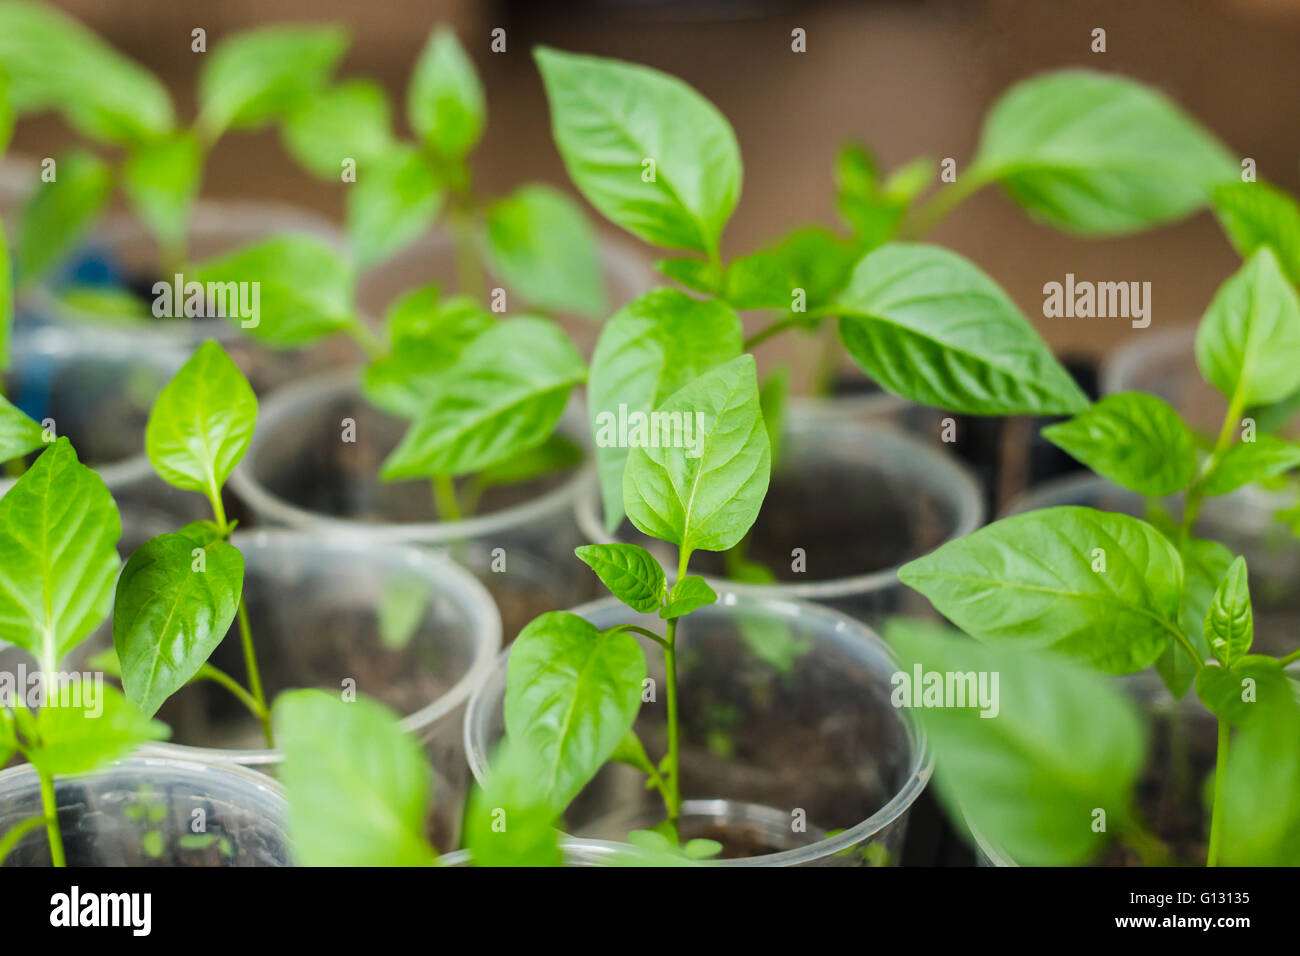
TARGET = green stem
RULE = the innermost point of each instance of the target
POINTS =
(1216, 812)
(943, 202)
(1196, 492)
(444, 498)
(218, 510)
(218, 676)
(51, 811)
(1290, 658)
(369, 342)
(783, 323)
(254, 677)
(470, 278)
(1148, 847)
(644, 632)
(674, 737)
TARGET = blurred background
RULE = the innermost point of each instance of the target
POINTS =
(907, 77)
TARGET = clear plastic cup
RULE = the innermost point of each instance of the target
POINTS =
(854, 499)
(127, 248)
(788, 760)
(18, 174)
(152, 811)
(299, 472)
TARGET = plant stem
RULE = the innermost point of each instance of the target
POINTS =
(51, 809)
(1290, 658)
(254, 677)
(943, 202)
(470, 278)
(674, 737)
(218, 676)
(781, 324)
(1196, 493)
(1148, 847)
(644, 632)
(369, 342)
(444, 498)
(1216, 812)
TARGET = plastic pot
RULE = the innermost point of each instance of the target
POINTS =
(858, 499)
(123, 253)
(788, 759)
(299, 472)
(152, 811)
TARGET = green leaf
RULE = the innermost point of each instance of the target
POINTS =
(509, 821)
(543, 247)
(1229, 623)
(262, 74)
(1248, 461)
(58, 214)
(161, 179)
(1133, 439)
(88, 725)
(692, 273)
(1247, 338)
(19, 435)
(427, 336)
(631, 573)
(644, 148)
(444, 102)
(6, 299)
(358, 785)
(707, 494)
(504, 394)
(1250, 689)
(304, 288)
(1097, 154)
(349, 121)
(58, 555)
(773, 395)
(172, 609)
(1261, 794)
(392, 203)
(7, 115)
(758, 281)
(572, 692)
(1063, 744)
(1259, 214)
(1204, 564)
(651, 348)
(557, 453)
(928, 325)
(15, 833)
(201, 422)
(1098, 586)
(689, 593)
(816, 261)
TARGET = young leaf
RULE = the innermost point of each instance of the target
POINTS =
(1250, 689)
(1135, 440)
(172, 609)
(349, 121)
(758, 281)
(644, 148)
(87, 726)
(1204, 565)
(58, 214)
(1261, 793)
(557, 453)
(1248, 461)
(708, 494)
(1097, 154)
(504, 394)
(58, 555)
(1229, 623)
(392, 204)
(260, 75)
(19, 435)
(161, 179)
(1258, 214)
(1098, 586)
(1061, 744)
(509, 821)
(201, 422)
(304, 288)
(692, 273)
(817, 261)
(572, 692)
(630, 572)
(689, 593)
(545, 250)
(1247, 339)
(444, 102)
(651, 348)
(358, 785)
(928, 325)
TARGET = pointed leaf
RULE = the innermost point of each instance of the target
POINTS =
(19, 435)
(1229, 623)
(87, 726)
(1247, 461)
(58, 214)
(689, 593)
(445, 100)
(349, 121)
(510, 821)
(394, 201)
(630, 572)
(1258, 214)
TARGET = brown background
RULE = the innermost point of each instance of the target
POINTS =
(909, 78)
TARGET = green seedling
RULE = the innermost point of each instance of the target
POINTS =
(1058, 598)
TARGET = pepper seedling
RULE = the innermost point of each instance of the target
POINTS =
(1115, 595)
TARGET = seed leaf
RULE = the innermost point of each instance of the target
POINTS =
(1133, 439)
(168, 617)
(644, 148)
(630, 572)
(572, 692)
(708, 494)
(1098, 586)
(928, 325)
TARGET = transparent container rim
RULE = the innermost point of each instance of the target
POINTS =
(143, 760)
(472, 596)
(942, 473)
(310, 393)
(846, 629)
